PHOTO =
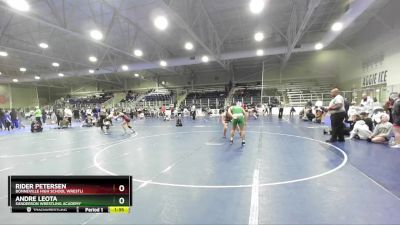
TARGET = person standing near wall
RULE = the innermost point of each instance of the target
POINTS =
(366, 103)
(14, 118)
(338, 114)
(68, 114)
(1, 119)
(389, 106)
(396, 122)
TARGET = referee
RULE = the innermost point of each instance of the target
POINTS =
(338, 114)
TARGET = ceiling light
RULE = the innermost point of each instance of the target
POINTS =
(163, 63)
(205, 58)
(161, 23)
(136, 75)
(188, 46)
(0, 73)
(256, 6)
(337, 26)
(37, 78)
(319, 46)
(43, 45)
(21, 5)
(92, 59)
(260, 52)
(55, 64)
(124, 67)
(96, 35)
(91, 71)
(4, 54)
(22, 69)
(138, 52)
(15, 80)
(163, 82)
(259, 36)
(60, 74)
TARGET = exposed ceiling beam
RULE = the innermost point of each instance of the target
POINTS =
(46, 56)
(214, 39)
(292, 29)
(36, 18)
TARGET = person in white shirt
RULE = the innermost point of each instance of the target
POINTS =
(193, 112)
(68, 114)
(319, 103)
(366, 103)
(338, 114)
(360, 129)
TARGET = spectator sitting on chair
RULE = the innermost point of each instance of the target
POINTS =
(382, 131)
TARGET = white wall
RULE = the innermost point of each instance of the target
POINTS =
(381, 36)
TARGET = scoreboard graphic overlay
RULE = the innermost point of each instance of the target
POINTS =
(70, 194)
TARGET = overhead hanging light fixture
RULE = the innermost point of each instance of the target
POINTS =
(20, 5)
(163, 63)
(161, 22)
(124, 67)
(138, 52)
(337, 26)
(259, 36)
(96, 35)
(43, 45)
(318, 46)
(256, 6)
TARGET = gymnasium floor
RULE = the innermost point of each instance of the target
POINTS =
(285, 174)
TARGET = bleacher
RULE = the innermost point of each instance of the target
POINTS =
(90, 100)
(154, 98)
(301, 91)
(206, 98)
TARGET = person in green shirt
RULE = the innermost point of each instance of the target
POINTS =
(38, 114)
(237, 114)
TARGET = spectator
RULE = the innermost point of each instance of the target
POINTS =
(193, 112)
(68, 115)
(360, 129)
(318, 115)
(7, 121)
(38, 114)
(1, 119)
(388, 107)
(337, 111)
(396, 122)
(308, 103)
(346, 109)
(367, 120)
(319, 103)
(14, 118)
(292, 111)
(366, 102)
(382, 130)
(375, 103)
(44, 115)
